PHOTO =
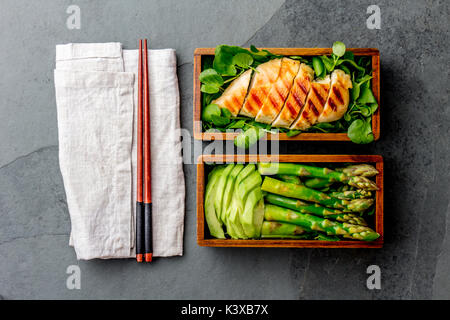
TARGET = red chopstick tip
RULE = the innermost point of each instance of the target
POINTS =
(139, 257)
(148, 257)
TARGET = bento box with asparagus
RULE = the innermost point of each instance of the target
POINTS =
(314, 201)
(298, 93)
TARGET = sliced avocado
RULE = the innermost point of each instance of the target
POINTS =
(250, 168)
(258, 217)
(248, 184)
(221, 189)
(237, 206)
(229, 188)
(226, 201)
(233, 214)
(246, 217)
(214, 225)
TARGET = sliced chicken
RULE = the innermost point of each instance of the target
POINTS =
(338, 98)
(279, 92)
(263, 79)
(314, 104)
(233, 96)
(297, 97)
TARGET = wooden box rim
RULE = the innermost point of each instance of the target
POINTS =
(289, 243)
(208, 136)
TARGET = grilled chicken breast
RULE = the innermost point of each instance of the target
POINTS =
(314, 104)
(233, 96)
(339, 97)
(265, 76)
(296, 98)
(279, 92)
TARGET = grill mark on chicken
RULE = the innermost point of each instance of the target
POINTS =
(313, 108)
(256, 100)
(291, 108)
(302, 86)
(236, 101)
(281, 96)
(318, 95)
(297, 99)
(337, 93)
(332, 104)
(273, 100)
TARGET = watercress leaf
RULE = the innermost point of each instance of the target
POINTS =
(226, 113)
(260, 125)
(352, 63)
(364, 78)
(345, 69)
(349, 56)
(223, 59)
(366, 96)
(360, 131)
(211, 77)
(211, 97)
(355, 91)
(374, 107)
(328, 63)
(249, 137)
(318, 66)
(243, 60)
(219, 120)
(253, 49)
(293, 133)
(209, 111)
(365, 85)
(339, 48)
(347, 117)
(207, 88)
(239, 124)
(365, 111)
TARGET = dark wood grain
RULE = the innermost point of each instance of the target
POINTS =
(201, 52)
(202, 240)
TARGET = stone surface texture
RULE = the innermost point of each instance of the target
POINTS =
(34, 220)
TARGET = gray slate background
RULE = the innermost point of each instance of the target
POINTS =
(34, 221)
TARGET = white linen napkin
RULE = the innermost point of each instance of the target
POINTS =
(96, 96)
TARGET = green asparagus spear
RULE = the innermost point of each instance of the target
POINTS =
(364, 170)
(290, 178)
(279, 228)
(351, 194)
(310, 222)
(301, 192)
(317, 183)
(310, 171)
(314, 209)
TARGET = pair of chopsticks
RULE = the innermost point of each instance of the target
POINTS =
(144, 247)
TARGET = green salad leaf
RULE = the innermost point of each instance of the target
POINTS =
(243, 60)
(319, 68)
(211, 81)
(338, 48)
(366, 96)
(209, 111)
(249, 137)
(360, 131)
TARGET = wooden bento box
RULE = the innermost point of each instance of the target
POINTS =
(201, 53)
(204, 238)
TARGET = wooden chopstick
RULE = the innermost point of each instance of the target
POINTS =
(147, 164)
(139, 205)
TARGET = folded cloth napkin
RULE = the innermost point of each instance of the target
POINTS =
(96, 97)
